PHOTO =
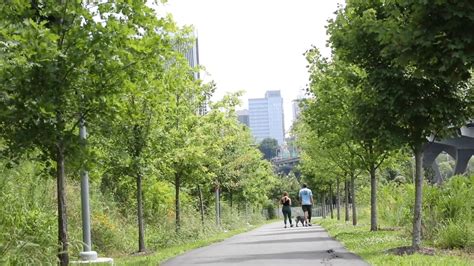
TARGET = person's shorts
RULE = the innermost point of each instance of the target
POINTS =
(306, 208)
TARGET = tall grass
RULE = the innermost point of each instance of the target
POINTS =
(448, 210)
(28, 219)
(28, 226)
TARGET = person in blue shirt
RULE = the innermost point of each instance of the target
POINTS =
(306, 199)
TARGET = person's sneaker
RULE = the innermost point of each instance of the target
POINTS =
(310, 224)
(291, 225)
(284, 227)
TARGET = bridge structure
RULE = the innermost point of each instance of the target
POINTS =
(460, 147)
(285, 165)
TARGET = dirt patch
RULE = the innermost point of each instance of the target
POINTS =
(394, 228)
(465, 253)
(143, 253)
(408, 250)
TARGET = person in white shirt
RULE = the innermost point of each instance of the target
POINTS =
(306, 199)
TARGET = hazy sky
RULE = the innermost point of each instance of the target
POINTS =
(256, 45)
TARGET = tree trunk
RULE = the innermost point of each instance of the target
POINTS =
(177, 186)
(323, 205)
(231, 203)
(338, 200)
(141, 227)
(354, 206)
(201, 205)
(247, 213)
(331, 201)
(63, 254)
(416, 242)
(373, 200)
(346, 198)
(218, 207)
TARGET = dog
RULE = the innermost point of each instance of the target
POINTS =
(299, 219)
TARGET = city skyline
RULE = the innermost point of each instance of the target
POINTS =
(263, 51)
(266, 117)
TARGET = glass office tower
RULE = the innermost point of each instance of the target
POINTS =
(266, 117)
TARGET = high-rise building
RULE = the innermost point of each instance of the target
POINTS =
(266, 117)
(192, 55)
(243, 117)
(296, 109)
(190, 49)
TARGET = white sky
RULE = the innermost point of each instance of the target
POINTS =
(256, 45)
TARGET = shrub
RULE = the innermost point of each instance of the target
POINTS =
(456, 199)
(106, 235)
(399, 179)
(270, 211)
(395, 203)
(27, 217)
(456, 234)
(448, 210)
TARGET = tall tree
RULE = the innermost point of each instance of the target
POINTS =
(240, 168)
(375, 136)
(329, 114)
(431, 37)
(181, 124)
(59, 62)
(413, 106)
(136, 135)
(269, 148)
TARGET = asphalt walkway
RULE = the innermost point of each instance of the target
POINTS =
(272, 245)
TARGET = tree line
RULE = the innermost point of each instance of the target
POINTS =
(115, 67)
(400, 76)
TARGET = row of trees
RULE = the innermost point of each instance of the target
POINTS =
(116, 66)
(400, 72)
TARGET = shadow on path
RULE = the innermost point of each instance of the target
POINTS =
(285, 256)
(285, 241)
(272, 245)
(293, 231)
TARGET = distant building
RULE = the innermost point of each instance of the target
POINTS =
(191, 51)
(243, 117)
(266, 117)
(291, 146)
(296, 109)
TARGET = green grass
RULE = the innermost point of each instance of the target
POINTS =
(372, 246)
(164, 254)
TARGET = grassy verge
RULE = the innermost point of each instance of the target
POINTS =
(372, 246)
(170, 252)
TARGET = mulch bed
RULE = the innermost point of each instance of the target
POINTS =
(408, 250)
(143, 253)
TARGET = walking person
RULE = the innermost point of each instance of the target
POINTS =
(306, 199)
(286, 208)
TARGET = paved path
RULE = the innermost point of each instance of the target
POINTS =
(272, 245)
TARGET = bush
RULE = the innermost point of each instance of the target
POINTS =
(109, 235)
(457, 199)
(395, 204)
(448, 217)
(399, 179)
(270, 211)
(456, 234)
(27, 217)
